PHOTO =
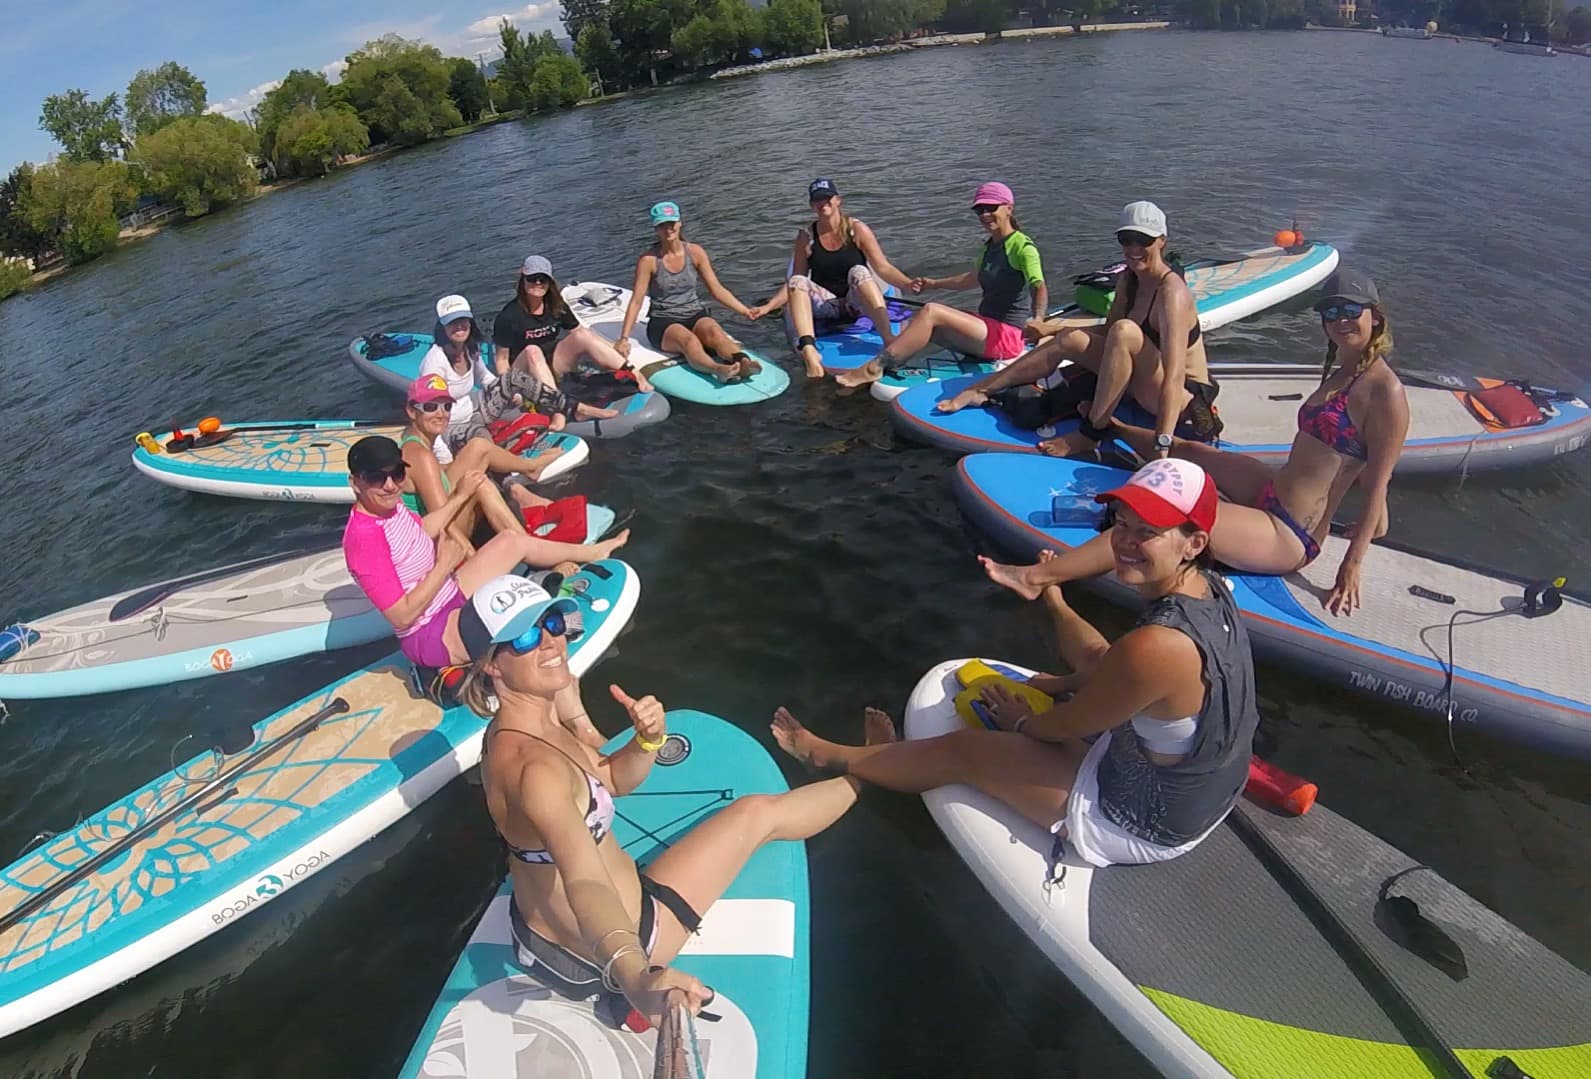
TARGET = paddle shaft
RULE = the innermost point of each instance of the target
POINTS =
(138, 602)
(1376, 977)
(218, 782)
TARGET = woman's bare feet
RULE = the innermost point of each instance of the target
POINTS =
(608, 546)
(642, 383)
(967, 398)
(871, 371)
(812, 360)
(820, 754)
(525, 498)
(541, 459)
(1017, 578)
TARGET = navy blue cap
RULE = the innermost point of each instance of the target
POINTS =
(822, 189)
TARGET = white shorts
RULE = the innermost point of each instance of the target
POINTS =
(1098, 841)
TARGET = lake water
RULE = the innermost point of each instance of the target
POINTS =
(794, 553)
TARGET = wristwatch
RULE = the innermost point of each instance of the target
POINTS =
(1163, 444)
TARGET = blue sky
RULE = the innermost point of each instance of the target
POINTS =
(238, 49)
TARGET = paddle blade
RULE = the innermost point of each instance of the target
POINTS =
(1424, 937)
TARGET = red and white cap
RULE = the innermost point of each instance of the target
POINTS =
(1167, 493)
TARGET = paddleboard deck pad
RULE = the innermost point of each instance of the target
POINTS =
(493, 1020)
(1515, 677)
(266, 819)
(299, 460)
(1258, 403)
(397, 365)
(601, 307)
(1212, 968)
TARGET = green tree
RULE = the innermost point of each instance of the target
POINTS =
(874, 19)
(301, 89)
(200, 162)
(311, 141)
(595, 50)
(558, 82)
(87, 130)
(518, 64)
(157, 97)
(644, 30)
(695, 42)
(579, 14)
(793, 27)
(467, 87)
(79, 203)
(18, 237)
(14, 276)
(399, 88)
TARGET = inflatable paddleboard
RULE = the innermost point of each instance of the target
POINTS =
(226, 619)
(845, 346)
(601, 307)
(1258, 403)
(494, 1021)
(397, 364)
(1211, 967)
(1225, 291)
(1513, 676)
(296, 460)
(217, 838)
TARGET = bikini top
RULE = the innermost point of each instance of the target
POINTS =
(1329, 422)
(599, 812)
(1151, 331)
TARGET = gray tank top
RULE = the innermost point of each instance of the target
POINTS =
(1172, 804)
(674, 294)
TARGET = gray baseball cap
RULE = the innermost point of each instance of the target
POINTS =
(535, 264)
(1349, 283)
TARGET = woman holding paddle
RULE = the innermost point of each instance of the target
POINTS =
(835, 268)
(677, 322)
(1172, 702)
(585, 917)
(1351, 429)
(1011, 277)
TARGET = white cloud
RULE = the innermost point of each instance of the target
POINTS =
(335, 69)
(236, 107)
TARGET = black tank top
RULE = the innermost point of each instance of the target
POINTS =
(1151, 331)
(832, 269)
(1172, 804)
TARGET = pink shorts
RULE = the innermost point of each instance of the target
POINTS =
(427, 646)
(1001, 340)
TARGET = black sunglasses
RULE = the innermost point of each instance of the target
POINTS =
(378, 477)
(539, 279)
(985, 208)
(1341, 309)
(1133, 238)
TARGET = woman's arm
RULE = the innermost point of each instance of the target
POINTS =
(863, 235)
(704, 267)
(798, 265)
(1178, 316)
(1139, 671)
(1386, 429)
(629, 765)
(449, 554)
(425, 473)
(643, 281)
(959, 283)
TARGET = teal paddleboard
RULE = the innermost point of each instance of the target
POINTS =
(493, 1019)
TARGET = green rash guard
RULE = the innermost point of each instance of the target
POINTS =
(1007, 270)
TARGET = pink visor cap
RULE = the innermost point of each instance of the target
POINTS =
(993, 193)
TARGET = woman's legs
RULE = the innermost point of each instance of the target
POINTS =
(484, 455)
(585, 343)
(1032, 777)
(504, 551)
(1037, 364)
(867, 296)
(936, 323)
(801, 318)
(717, 340)
(680, 341)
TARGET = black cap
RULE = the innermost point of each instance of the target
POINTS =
(375, 453)
(822, 189)
(1351, 284)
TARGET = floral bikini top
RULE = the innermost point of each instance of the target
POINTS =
(1330, 423)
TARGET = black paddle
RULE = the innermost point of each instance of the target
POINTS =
(138, 602)
(218, 783)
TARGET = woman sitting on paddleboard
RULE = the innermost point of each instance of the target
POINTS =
(1014, 298)
(585, 917)
(677, 322)
(481, 395)
(1150, 347)
(835, 269)
(418, 571)
(539, 326)
(1172, 702)
(1352, 428)
(431, 483)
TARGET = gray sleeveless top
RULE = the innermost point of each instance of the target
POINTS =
(1172, 804)
(674, 294)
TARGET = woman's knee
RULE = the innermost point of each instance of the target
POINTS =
(1124, 334)
(800, 283)
(755, 815)
(860, 277)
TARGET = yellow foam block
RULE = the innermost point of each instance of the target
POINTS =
(975, 675)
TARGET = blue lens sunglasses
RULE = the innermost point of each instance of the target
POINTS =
(553, 622)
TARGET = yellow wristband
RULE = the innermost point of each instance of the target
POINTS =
(650, 747)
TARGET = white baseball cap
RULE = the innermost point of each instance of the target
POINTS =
(502, 609)
(1143, 216)
(452, 308)
(1169, 492)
